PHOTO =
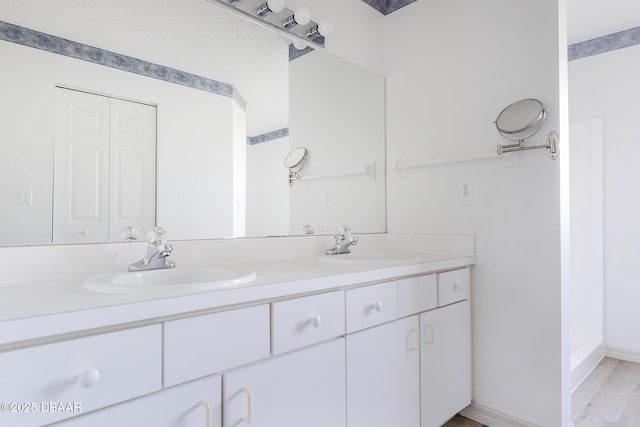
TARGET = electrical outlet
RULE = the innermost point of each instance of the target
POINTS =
(465, 190)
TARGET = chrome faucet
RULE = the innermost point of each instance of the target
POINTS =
(158, 251)
(344, 240)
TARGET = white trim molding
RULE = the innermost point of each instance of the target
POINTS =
(627, 354)
(491, 417)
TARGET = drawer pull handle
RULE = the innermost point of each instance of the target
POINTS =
(457, 287)
(316, 321)
(377, 306)
(429, 334)
(207, 408)
(88, 378)
(413, 338)
(247, 418)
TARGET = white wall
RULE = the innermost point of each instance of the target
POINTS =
(267, 189)
(587, 246)
(607, 85)
(451, 67)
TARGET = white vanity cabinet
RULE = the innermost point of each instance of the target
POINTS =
(414, 371)
(194, 404)
(445, 353)
(202, 345)
(300, 388)
(389, 352)
(383, 375)
(50, 382)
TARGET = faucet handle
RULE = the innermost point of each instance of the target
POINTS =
(345, 232)
(157, 236)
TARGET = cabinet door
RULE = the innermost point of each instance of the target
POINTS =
(445, 361)
(383, 381)
(195, 404)
(302, 388)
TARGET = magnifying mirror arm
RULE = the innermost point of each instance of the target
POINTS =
(551, 146)
(293, 176)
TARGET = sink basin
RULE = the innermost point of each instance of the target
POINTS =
(172, 279)
(370, 258)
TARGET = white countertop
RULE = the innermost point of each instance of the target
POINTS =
(44, 308)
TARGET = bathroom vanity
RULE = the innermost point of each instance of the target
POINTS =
(310, 341)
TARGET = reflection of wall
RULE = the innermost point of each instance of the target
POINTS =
(267, 188)
(451, 67)
(194, 134)
(339, 139)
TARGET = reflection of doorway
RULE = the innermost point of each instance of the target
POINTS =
(104, 167)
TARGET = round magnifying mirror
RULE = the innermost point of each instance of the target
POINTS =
(295, 159)
(521, 120)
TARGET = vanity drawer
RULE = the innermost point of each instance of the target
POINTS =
(202, 345)
(417, 294)
(82, 374)
(303, 321)
(454, 286)
(371, 305)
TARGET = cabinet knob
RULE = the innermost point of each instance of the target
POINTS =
(88, 378)
(377, 306)
(457, 287)
(316, 321)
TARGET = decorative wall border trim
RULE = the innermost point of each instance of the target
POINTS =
(27, 37)
(269, 136)
(387, 6)
(605, 44)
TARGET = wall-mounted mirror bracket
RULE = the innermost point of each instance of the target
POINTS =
(551, 146)
(520, 121)
(294, 161)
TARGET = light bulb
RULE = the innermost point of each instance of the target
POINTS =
(274, 6)
(301, 16)
(323, 29)
(299, 45)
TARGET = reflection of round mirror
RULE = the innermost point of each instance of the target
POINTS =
(521, 119)
(294, 160)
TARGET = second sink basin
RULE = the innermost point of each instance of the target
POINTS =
(170, 279)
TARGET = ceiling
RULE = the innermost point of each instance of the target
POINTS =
(589, 19)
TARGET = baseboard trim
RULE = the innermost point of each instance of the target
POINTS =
(491, 417)
(584, 368)
(622, 354)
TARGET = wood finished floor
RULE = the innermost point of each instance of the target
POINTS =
(609, 397)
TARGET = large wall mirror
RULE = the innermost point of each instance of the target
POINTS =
(119, 115)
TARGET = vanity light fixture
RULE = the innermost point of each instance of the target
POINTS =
(275, 14)
(301, 16)
(323, 29)
(270, 6)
